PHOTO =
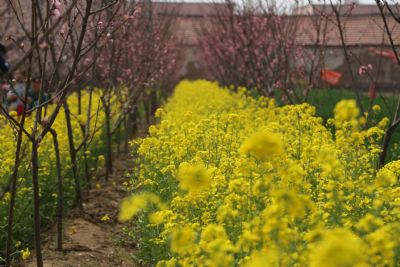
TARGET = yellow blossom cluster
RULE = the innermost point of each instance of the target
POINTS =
(247, 183)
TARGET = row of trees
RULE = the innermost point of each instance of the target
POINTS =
(254, 47)
(120, 48)
(261, 47)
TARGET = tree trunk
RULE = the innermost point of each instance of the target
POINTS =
(147, 108)
(72, 152)
(36, 203)
(109, 166)
(118, 139)
(126, 133)
(59, 192)
(87, 172)
(13, 189)
(153, 101)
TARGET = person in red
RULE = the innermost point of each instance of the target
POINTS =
(16, 94)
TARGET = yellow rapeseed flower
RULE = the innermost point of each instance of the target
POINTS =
(25, 254)
(182, 240)
(385, 177)
(376, 108)
(194, 178)
(263, 145)
(7, 196)
(268, 257)
(157, 217)
(338, 248)
(296, 192)
(130, 206)
(82, 119)
(346, 110)
(105, 218)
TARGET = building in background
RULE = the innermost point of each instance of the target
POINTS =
(189, 20)
(363, 33)
(364, 36)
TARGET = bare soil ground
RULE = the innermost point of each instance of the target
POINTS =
(89, 240)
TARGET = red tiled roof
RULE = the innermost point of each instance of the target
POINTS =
(190, 18)
(363, 27)
(358, 30)
(188, 9)
(345, 9)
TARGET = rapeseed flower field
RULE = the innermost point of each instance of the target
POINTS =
(224, 179)
(23, 228)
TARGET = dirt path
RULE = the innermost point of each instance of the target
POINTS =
(89, 240)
